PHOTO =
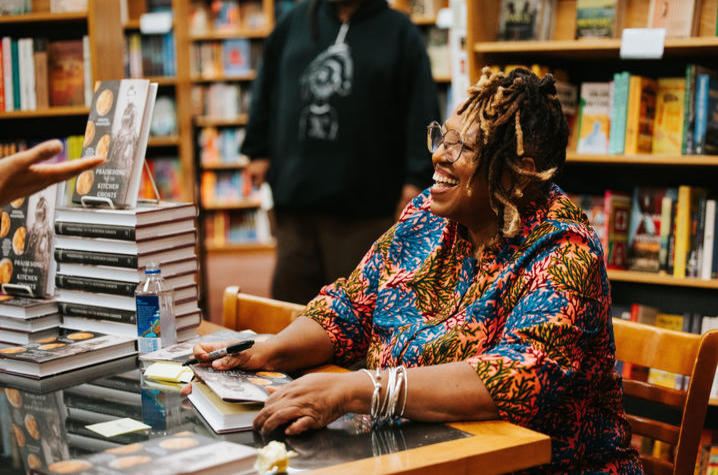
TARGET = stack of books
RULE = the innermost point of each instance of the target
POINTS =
(105, 240)
(102, 255)
(24, 320)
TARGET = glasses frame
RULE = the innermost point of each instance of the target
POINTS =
(450, 158)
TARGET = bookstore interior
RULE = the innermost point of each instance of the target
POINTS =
(111, 278)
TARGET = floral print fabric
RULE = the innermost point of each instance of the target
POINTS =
(531, 315)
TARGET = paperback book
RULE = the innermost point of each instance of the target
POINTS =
(598, 18)
(595, 114)
(27, 266)
(117, 129)
(236, 385)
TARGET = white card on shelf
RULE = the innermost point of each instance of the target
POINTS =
(157, 23)
(643, 43)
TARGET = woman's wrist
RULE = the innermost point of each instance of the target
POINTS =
(358, 389)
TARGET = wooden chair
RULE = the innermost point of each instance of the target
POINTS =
(243, 311)
(681, 353)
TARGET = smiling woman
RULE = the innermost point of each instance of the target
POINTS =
(488, 298)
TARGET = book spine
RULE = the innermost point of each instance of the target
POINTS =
(708, 240)
(683, 231)
(666, 228)
(617, 209)
(87, 70)
(42, 93)
(124, 233)
(697, 231)
(96, 258)
(95, 285)
(7, 74)
(98, 313)
(16, 75)
(702, 84)
(688, 110)
(633, 115)
(2, 78)
(617, 138)
(30, 66)
(672, 237)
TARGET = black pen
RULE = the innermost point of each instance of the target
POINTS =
(230, 350)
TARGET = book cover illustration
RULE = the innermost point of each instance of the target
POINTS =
(55, 348)
(519, 20)
(26, 244)
(618, 214)
(235, 385)
(594, 119)
(37, 422)
(184, 452)
(66, 73)
(596, 18)
(678, 17)
(114, 129)
(644, 234)
(668, 126)
(640, 115)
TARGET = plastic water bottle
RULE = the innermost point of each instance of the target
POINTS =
(155, 312)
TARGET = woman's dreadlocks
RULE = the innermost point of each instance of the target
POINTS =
(518, 116)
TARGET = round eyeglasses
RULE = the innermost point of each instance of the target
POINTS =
(453, 143)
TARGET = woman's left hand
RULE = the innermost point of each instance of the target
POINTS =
(312, 402)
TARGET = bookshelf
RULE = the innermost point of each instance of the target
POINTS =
(597, 60)
(99, 23)
(178, 144)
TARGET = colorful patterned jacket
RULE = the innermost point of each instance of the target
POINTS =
(531, 315)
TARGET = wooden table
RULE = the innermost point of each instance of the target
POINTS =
(496, 447)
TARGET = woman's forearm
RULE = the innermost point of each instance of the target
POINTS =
(302, 344)
(447, 392)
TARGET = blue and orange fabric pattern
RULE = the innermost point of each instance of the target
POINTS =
(529, 313)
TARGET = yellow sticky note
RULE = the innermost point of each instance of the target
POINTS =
(169, 371)
(117, 427)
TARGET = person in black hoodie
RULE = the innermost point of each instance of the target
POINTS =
(337, 127)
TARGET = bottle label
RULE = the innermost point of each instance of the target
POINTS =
(148, 322)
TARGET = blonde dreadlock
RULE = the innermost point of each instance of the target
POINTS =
(518, 116)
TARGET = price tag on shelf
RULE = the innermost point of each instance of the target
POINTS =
(157, 23)
(643, 43)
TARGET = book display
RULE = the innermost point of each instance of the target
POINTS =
(638, 167)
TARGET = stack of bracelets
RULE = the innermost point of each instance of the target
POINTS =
(385, 412)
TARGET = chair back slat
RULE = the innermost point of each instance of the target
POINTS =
(656, 347)
(676, 352)
(650, 392)
(655, 430)
(263, 315)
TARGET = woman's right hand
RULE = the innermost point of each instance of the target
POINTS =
(252, 359)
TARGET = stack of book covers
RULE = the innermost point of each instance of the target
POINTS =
(106, 239)
(24, 320)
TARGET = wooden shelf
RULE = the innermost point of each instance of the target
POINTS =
(44, 17)
(226, 35)
(51, 112)
(249, 76)
(241, 247)
(422, 20)
(223, 166)
(246, 204)
(593, 48)
(660, 279)
(442, 79)
(163, 80)
(644, 159)
(205, 121)
(132, 24)
(169, 141)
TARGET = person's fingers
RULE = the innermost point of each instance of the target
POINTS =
(40, 152)
(280, 417)
(202, 350)
(66, 170)
(272, 389)
(300, 425)
(229, 361)
(186, 390)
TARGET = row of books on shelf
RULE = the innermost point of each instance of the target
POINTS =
(72, 147)
(634, 114)
(247, 226)
(221, 146)
(667, 230)
(37, 73)
(227, 58)
(226, 16)
(536, 19)
(150, 55)
(17, 7)
(649, 315)
(220, 100)
(226, 187)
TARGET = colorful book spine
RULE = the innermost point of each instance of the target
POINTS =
(2, 79)
(683, 231)
(666, 228)
(689, 110)
(619, 109)
(7, 74)
(708, 240)
(702, 86)
(668, 125)
(617, 210)
(15, 75)
(640, 115)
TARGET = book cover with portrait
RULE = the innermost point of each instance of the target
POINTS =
(27, 265)
(117, 130)
(236, 385)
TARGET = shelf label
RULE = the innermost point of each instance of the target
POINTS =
(157, 23)
(445, 18)
(643, 43)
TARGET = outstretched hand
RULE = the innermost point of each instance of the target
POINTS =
(21, 174)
